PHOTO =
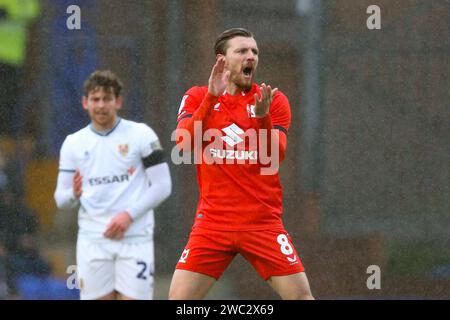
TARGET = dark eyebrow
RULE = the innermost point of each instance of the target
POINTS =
(246, 48)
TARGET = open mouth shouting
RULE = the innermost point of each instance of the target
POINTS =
(248, 72)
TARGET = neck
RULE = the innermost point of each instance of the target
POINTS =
(233, 89)
(105, 128)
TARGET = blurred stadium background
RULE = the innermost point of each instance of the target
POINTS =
(366, 179)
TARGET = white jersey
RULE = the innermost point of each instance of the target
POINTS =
(113, 175)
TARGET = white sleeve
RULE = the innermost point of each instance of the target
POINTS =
(157, 172)
(64, 196)
(149, 141)
(67, 160)
(160, 188)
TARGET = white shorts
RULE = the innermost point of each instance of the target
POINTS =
(104, 267)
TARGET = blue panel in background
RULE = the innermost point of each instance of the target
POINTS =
(73, 56)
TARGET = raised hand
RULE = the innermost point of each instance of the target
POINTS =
(218, 79)
(262, 105)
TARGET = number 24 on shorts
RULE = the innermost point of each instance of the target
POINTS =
(142, 273)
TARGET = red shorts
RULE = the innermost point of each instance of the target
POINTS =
(270, 252)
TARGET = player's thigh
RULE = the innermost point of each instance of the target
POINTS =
(188, 285)
(291, 287)
(271, 252)
(95, 269)
(135, 266)
(208, 252)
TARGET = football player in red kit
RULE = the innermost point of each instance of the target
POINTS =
(240, 205)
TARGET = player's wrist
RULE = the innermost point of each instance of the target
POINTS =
(212, 95)
(73, 201)
(76, 192)
(264, 122)
(131, 214)
(208, 102)
(261, 115)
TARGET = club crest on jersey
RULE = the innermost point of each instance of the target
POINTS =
(123, 149)
(217, 107)
(251, 111)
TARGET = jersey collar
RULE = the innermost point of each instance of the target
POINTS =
(107, 132)
(251, 91)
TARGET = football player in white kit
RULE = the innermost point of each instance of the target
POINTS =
(114, 170)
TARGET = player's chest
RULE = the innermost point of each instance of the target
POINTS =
(237, 114)
(104, 152)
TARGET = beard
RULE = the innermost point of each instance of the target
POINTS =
(242, 83)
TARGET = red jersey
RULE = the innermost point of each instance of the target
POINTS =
(234, 195)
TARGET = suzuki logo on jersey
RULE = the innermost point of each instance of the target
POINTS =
(228, 145)
(232, 138)
(232, 135)
(234, 155)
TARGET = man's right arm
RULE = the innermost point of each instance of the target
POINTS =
(185, 125)
(69, 179)
(64, 194)
(217, 84)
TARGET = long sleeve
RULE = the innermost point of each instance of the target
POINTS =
(279, 118)
(277, 137)
(64, 196)
(186, 123)
(160, 187)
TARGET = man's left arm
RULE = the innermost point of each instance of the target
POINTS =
(160, 185)
(159, 188)
(276, 121)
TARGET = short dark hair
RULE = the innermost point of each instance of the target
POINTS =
(105, 79)
(221, 45)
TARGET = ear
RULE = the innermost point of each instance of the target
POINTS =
(84, 102)
(119, 102)
(219, 55)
